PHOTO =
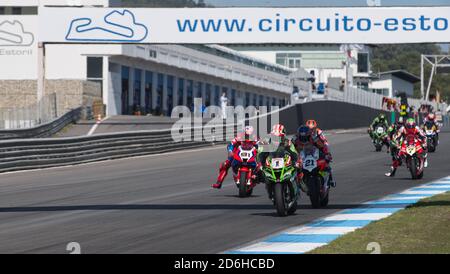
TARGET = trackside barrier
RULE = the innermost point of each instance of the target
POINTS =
(22, 154)
(26, 154)
(44, 130)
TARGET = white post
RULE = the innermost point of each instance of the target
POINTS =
(429, 83)
(422, 93)
(40, 79)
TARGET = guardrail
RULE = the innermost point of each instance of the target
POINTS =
(44, 130)
(51, 152)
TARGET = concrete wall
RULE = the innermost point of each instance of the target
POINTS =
(328, 114)
(17, 93)
(69, 93)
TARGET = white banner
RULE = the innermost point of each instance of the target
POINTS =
(18, 46)
(245, 25)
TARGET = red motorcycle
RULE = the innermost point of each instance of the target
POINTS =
(244, 165)
(412, 151)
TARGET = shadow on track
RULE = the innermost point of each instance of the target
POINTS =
(178, 207)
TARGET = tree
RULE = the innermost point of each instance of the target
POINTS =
(407, 57)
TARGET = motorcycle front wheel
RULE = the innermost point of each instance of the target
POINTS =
(313, 184)
(243, 188)
(280, 201)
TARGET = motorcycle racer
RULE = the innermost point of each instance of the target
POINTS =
(305, 137)
(410, 128)
(317, 133)
(392, 132)
(431, 118)
(380, 120)
(278, 139)
(246, 135)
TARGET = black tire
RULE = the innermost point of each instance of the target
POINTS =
(243, 189)
(280, 204)
(293, 208)
(314, 191)
(378, 147)
(420, 176)
(413, 168)
(324, 201)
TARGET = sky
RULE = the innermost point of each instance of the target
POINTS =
(327, 2)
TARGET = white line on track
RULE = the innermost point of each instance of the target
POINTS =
(95, 126)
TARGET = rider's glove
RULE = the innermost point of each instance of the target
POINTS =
(328, 157)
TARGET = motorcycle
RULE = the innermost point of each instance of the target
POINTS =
(244, 165)
(315, 177)
(430, 132)
(280, 178)
(379, 138)
(412, 151)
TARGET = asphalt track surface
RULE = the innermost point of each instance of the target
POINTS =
(164, 204)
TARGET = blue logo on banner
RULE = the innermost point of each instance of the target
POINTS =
(116, 26)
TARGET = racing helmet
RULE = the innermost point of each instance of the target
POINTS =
(382, 117)
(278, 130)
(248, 130)
(304, 134)
(400, 120)
(312, 124)
(431, 116)
(410, 123)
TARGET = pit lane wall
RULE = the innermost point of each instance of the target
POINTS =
(329, 115)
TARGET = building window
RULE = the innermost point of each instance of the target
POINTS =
(189, 88)
(170, 80)
(274, 101)
(255, 98)
(16, 10)
(261, 100)
(125, 89)
(95, 70)
(217, 95)
(208, 95)
(198, 89)
(148, 91)
(247, 99)
(2, 10)
(233, 97)
(363, 62)
(180, 91)
(290, 60)
(137, 90)
(159, 94)
(95, 67)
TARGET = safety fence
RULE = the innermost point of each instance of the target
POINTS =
(43, 130)
(29, 116)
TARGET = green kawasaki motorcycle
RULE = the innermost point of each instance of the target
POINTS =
(280, 175)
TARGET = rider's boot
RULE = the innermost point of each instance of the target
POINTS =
(223, 171)
(331, 182)
(392, 172)
(300, 182)
(394, 166)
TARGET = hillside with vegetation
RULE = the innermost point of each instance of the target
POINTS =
(407, 57)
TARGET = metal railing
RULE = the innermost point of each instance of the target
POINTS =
(30, 116)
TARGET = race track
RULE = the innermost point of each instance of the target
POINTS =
(164, 204)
